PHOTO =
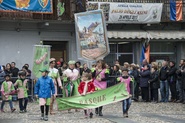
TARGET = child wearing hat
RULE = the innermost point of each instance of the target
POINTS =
(128, 82)
(44, 88)
(7, 89)
(22, 91)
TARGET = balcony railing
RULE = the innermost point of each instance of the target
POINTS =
(73, 6)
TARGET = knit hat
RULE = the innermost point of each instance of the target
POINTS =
(71, 62)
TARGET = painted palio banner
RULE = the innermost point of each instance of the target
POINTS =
(35, 6)
(91, 35)
(128, 12)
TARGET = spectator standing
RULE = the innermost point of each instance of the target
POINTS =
(145, 76)
(28, 70)
(8, 69)
(164, 86)
(172, 78)
(180, 81)
(61, 61)
(154, 83)
(14, 70)
(86, 69)
(78, 67)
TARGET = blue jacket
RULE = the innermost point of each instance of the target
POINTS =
(44, 87)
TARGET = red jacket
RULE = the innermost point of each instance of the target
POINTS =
(90, 87)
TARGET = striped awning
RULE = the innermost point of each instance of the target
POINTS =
(138, 34)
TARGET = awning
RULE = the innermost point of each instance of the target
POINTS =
(147, 34)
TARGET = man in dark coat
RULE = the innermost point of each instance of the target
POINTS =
(164, 86)
(180, 82)
(172, 78)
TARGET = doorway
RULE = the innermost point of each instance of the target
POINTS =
(58, 49)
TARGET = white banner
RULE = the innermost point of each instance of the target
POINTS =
(129, 12)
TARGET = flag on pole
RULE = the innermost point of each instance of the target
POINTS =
(145, 52)
(176, 10)
(41, 58)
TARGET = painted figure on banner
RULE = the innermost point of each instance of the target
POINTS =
(43, 3)
(22, 3)
(1, 1)
(91, 35)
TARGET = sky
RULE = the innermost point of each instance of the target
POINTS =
(86, 21)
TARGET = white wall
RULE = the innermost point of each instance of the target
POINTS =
(18, 46)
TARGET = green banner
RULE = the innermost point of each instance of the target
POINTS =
(99, 98)
(41, 58)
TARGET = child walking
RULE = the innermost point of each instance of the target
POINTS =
(86, 86)
(22, 91)
(6, 89)
(128, 81)
(43, 90)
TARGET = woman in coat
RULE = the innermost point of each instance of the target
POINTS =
(154, 83)
(144, 78)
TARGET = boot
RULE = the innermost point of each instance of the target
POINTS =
(126, 114)
(51, 109)
(42, 116)
(100, 111)
(91, 115)
(96, 111)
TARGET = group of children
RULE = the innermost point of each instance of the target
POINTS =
(44, 90)
(8, 89)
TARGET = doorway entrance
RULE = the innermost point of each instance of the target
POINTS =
(58, 49)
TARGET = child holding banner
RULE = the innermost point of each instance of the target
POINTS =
(128, 81)
(85, 87)
(6, 89)
(43, 90)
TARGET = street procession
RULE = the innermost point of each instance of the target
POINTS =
(92, 61)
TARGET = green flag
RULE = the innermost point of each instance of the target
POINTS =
(41, 58)
(110, 95)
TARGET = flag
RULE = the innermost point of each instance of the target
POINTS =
(99, 98)
(145, 52)
(176, 10)
(41, 59)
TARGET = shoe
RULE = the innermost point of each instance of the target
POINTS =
(2, 111)
(46, 118)
(13, 109)
(42, 117)
(21, 111)
(69, 111)
(179, 101)
(183, 102)
(91, 115)
(100, 113)
(126, 114)
(96, 111)
(162, 101)
(25, 110)
(76, 110)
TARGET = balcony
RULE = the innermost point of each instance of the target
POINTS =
(73, 6)
(166, 6)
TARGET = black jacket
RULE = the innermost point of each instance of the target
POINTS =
(86, 70)
(172, 76)
(163, 75)
(135, 74)
(145, 76)
(154, 80)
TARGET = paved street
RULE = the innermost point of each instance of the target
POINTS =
(139, 113)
